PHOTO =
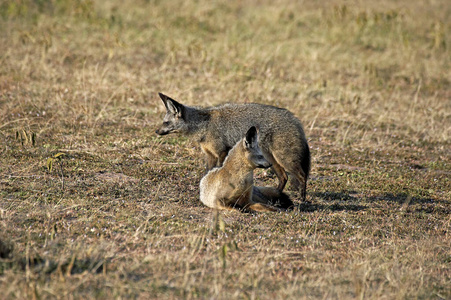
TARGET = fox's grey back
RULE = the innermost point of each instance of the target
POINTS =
(233, 120)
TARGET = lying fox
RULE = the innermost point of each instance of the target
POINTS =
(218, 129)
(232, 185)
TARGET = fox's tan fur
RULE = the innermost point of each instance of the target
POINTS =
(231, 186)
(218, 129)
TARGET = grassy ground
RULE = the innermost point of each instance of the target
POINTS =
(118, 214)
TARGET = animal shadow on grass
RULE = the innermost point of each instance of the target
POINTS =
(403, 198)
(333, 201)
(424, 204)
(345, 200)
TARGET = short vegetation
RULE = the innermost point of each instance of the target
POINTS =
(93, 204)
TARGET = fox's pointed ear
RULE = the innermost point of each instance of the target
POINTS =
(251, 137)
(171, 105)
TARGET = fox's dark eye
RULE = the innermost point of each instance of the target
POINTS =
(165, 123)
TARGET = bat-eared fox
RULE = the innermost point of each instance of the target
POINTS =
(232, 185)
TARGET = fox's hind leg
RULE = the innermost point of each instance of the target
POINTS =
(299, 183)
(294, 183)
(278, 169)
(261, 207)
(271, 196)
(304, 190)
(281, 175)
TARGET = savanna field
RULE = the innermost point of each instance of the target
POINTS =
(95, 205)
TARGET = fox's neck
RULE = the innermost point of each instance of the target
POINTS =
(236, 162)
(196, 120)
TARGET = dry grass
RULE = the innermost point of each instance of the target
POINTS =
(119, 216)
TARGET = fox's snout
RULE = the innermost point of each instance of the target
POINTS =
(160, 131)
(264, 165)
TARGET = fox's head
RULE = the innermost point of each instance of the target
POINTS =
(174, 120)
(253, 152)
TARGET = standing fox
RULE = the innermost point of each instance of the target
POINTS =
(231, 186)
(218, 129)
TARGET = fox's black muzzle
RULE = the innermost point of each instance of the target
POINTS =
(264, 166)
(161, 132)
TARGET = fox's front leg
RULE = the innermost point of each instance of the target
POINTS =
(211, 161)
(221, 158)
(215, 161)
(210, 158)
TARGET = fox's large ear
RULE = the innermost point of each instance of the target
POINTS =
(251, 138)
(172, 106)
